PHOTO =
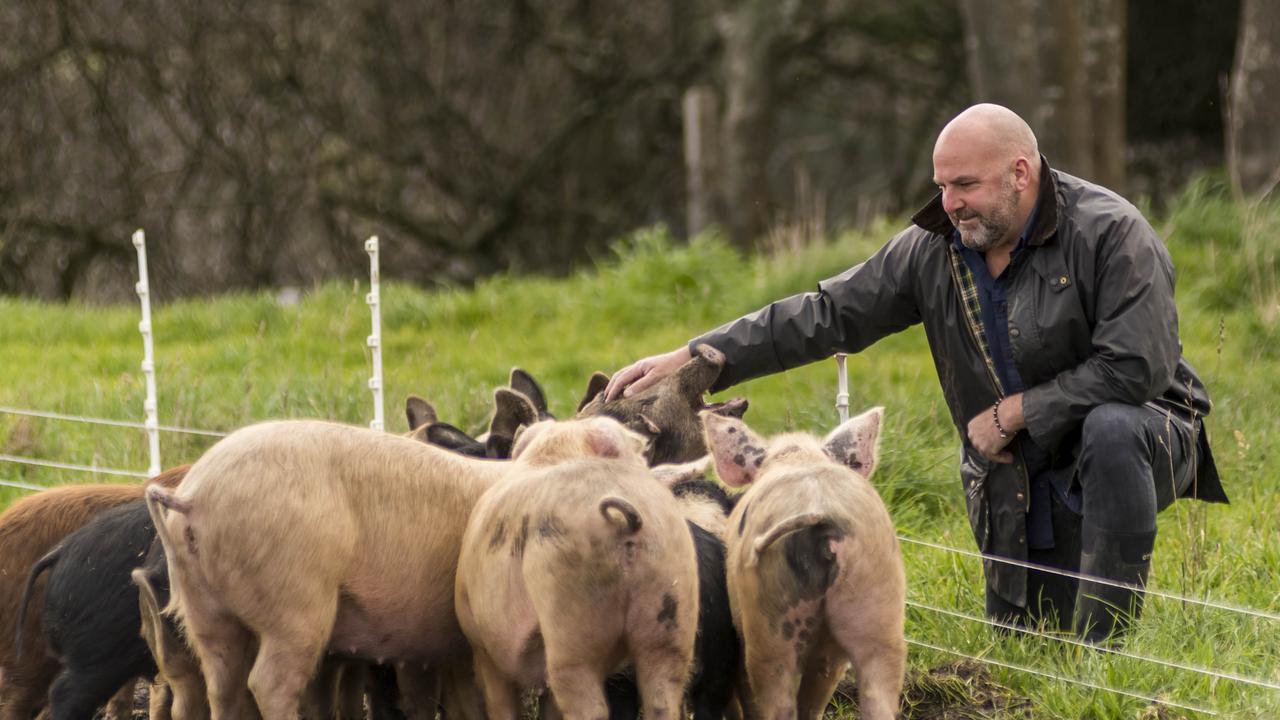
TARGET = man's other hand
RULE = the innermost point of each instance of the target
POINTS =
(984, 435)
(644, 373)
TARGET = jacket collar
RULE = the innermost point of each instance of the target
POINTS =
(934, 219)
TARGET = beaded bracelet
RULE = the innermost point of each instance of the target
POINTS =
(995, 414)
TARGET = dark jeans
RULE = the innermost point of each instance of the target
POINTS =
(1133, 463)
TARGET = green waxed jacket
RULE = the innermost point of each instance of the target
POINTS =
(1091, 321)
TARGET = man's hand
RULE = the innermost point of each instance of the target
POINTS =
(643, 373)
(985, 436)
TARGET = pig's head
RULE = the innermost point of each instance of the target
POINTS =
(741, 455)
(550, 442)
(667, 413)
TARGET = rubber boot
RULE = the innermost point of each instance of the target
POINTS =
(1104, 612)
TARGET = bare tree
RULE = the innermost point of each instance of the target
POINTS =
(1253, 133)
(1106, 49)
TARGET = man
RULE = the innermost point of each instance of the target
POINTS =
(1048, 305)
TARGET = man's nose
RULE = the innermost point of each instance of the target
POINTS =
(951, 201)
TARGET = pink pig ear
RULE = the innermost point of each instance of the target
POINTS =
(738, 452)
(856, 443)
(607, 438)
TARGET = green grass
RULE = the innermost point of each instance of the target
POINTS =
(235, 360)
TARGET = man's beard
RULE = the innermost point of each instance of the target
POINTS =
(992, 227)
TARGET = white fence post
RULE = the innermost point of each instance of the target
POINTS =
(148, 360)
(842, 387)
(375, 340)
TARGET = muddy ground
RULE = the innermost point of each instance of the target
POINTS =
(959, 691)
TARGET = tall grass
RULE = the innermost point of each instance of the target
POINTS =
(235, 360)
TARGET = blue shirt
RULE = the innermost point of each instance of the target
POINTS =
(993, 296)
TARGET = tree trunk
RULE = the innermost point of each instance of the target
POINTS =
(1001, 44)
(749, 31)
(1253, 132)
(1067, 137)
(1107, 21)
(701, 141)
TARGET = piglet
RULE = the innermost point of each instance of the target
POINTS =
(814, 571)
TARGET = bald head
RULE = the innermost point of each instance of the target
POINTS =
(987, 165)
(990, 131)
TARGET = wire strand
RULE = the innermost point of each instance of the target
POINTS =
(69, 466)
(1100, 648)
(1263, 614)
(22, 485)
(105, 421)
(1063, 678)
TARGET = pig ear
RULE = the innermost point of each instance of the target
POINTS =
(451, 438)
(856, 443)
(736, 407)
(595, 386)
(671, 474)
(419, 412)
(737, 450)
(511, 410)
(523, 383)
(608, 438)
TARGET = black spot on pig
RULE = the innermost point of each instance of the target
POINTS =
(517, 545)
(551, 528)
(810, 558)
(668, 612)
(499, 536)
(701, 487)
(191, 540)
(740, 460)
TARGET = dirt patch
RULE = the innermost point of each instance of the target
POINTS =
(960, 691)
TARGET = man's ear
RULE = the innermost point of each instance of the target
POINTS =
(419, 412)
(856, 443)
(737, 450)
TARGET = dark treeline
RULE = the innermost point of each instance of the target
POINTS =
(258, 143)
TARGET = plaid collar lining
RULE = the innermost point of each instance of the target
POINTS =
(968, 289)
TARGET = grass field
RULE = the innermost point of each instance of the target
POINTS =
(230, 361)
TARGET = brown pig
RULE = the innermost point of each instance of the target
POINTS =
(815, 575)
(667, 413)
(291, 538)
(29, 529)
(573, 566)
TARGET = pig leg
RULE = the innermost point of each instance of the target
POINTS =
(578, 689)
(875, 643)
(822, 673)
(419, 691)
(76, 695)
(159, 701)
(351, 684)
(281, 673)
(501, 696)
(120, 706)
(17, 702)
(773, 669)
(225, 651)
